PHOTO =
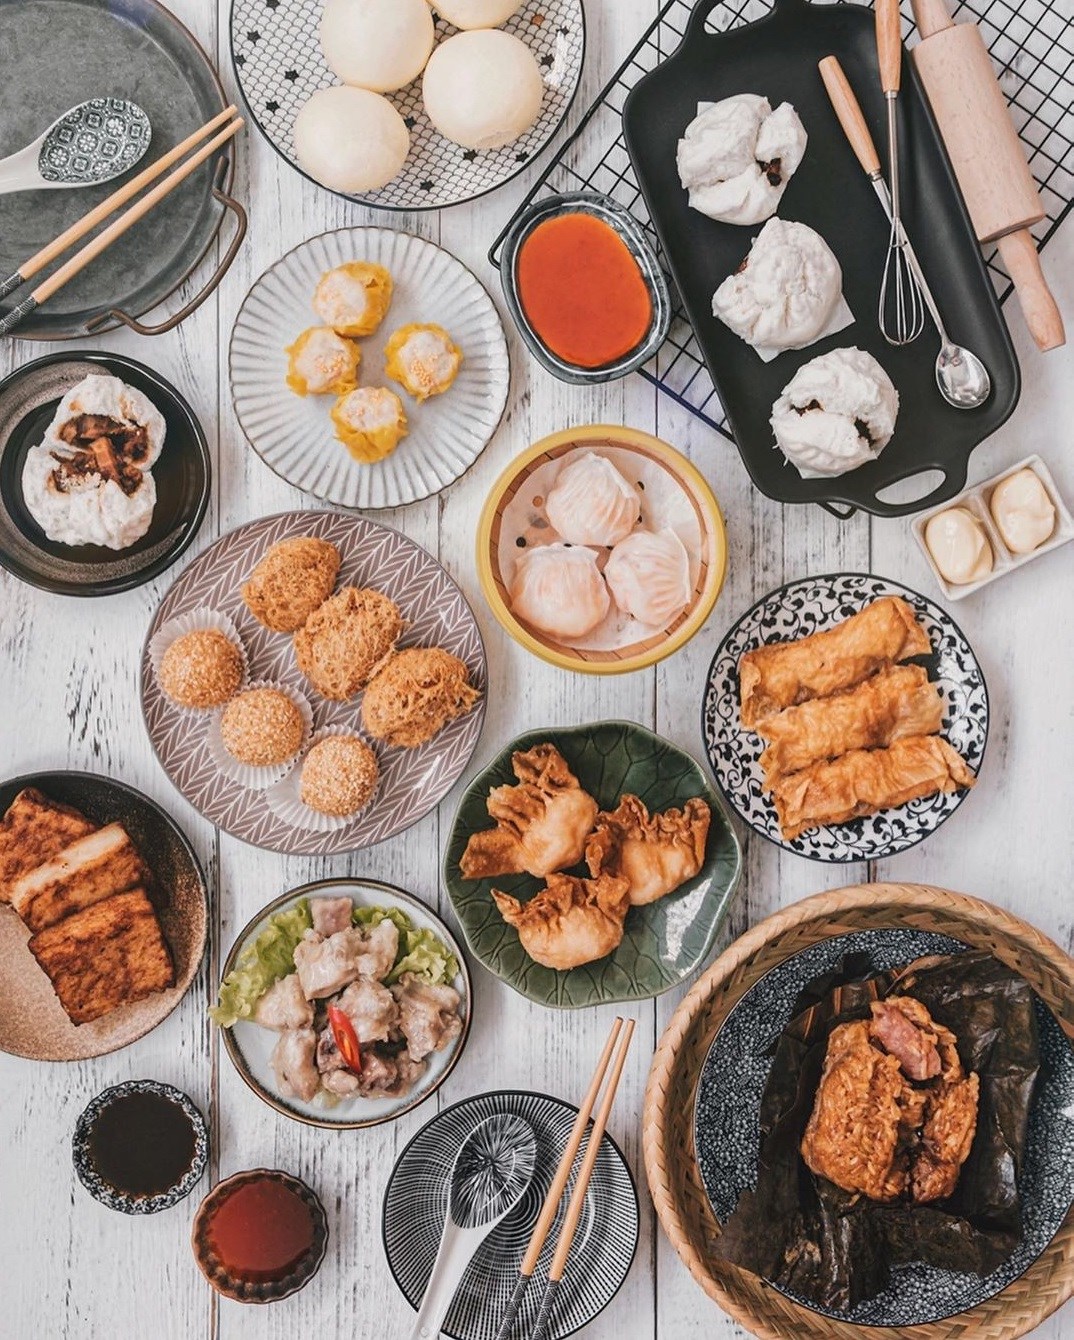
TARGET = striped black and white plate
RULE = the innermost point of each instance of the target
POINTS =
(276, 49)
(416, 1201)
(411, 781)
(293, 434)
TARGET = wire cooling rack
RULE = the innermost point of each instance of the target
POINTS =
(1031, 43)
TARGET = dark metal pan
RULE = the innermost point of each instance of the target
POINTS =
(777, 57)
(55, 53)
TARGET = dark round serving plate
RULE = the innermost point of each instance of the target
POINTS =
(62, 52)
(28, 399)
(727, 1132)
(607, 1238)
(109, 1195)
(32, 1021)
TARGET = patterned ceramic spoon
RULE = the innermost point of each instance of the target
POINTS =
(92, 143)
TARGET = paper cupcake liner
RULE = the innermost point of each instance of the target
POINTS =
(258, 779)
(283, 798)
(196, 621)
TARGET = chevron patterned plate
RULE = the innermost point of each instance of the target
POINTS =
(294, 435)
(416, 1199)
(412, 781)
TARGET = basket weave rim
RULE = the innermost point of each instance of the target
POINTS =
(1034, 1305)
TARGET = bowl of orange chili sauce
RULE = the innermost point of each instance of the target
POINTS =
(584, 287)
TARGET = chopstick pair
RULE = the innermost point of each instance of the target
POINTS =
(555, 1192)
(104, 239)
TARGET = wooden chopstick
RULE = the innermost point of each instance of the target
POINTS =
(581, 1186)
(100, 212)
(93, 249)
(555, 1191)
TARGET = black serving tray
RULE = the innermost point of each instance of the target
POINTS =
(777, 57)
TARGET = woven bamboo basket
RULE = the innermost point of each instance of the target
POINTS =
(668, 1138)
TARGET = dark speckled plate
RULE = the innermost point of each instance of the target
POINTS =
(32, 1021)
(665, 942)
(727, 1132)
(28, 400)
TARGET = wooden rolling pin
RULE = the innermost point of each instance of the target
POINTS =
(987, 156)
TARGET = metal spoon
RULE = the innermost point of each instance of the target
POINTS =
(92, 143)
(491, 1174)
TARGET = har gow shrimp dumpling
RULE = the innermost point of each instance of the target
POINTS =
(592, 503)
(350, 139)
(649, 576)
(377, 44)
(483, 89)
(559, 589)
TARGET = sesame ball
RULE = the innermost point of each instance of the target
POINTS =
(262, 728)
(339, 776)
(201, 669)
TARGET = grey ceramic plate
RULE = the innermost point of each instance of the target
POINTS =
(665, 942)
(412, 781)
(32, 1021)
(250, 1046)
(28, 400)
(727, 1132)
(63, 52)
(604, 1246)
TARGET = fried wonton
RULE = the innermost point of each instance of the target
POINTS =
(570, 921)
(541, 824)
(655, 853)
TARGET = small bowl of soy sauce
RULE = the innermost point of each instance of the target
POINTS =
(140, 1147)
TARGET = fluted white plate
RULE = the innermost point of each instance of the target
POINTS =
(294, 435)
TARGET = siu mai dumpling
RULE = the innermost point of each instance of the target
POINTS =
(353, 298)
(591, 503)
(649, 576)
(559, 589)
(370, 422)
(423, 359)
(656, 853)
(541, 824)
(320, 362)
(570, 921)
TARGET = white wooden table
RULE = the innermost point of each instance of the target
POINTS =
(69, 672)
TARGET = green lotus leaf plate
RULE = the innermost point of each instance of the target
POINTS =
(665, 942)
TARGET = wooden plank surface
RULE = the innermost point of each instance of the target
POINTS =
(69, 673)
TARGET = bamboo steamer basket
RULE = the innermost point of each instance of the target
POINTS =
(668, 1136)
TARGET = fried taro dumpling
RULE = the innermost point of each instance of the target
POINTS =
(570, 921)
(541, 824)
(655, 853)
(895, 1114)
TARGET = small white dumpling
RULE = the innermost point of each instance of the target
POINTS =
(591, 502)
(558, 589)
(649, 575)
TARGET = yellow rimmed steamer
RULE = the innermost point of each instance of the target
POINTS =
(508, 515)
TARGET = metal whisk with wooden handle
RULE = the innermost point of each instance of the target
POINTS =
(901, 312)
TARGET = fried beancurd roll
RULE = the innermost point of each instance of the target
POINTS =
(370, 422)
(867, 780)
(353, 298)
(784, 674)
(895, 703)
(320, 362)
(424, 360)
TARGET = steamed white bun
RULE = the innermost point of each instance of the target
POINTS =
(350, 140)
(476, 13)
(377, 44)
(591, 503)
(558, 589)
(482, 89)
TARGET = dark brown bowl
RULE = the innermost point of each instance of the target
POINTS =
(246, 1291)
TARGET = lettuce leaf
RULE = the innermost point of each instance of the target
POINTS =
(270, 957)
(420, 952)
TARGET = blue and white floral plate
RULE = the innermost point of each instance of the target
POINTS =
(812, 605)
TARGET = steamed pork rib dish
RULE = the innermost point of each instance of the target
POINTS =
(82, 890)
(866, 780)
(360, 998)
(784, 674)
(656, 854)
(90, 480)
(570, 921)
(541, 824)
(895, 1113)
(897, 702)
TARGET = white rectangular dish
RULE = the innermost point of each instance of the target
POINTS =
(976, 500)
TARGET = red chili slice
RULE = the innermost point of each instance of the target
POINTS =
(346, 1038)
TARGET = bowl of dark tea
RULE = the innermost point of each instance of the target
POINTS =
(140, 1147)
